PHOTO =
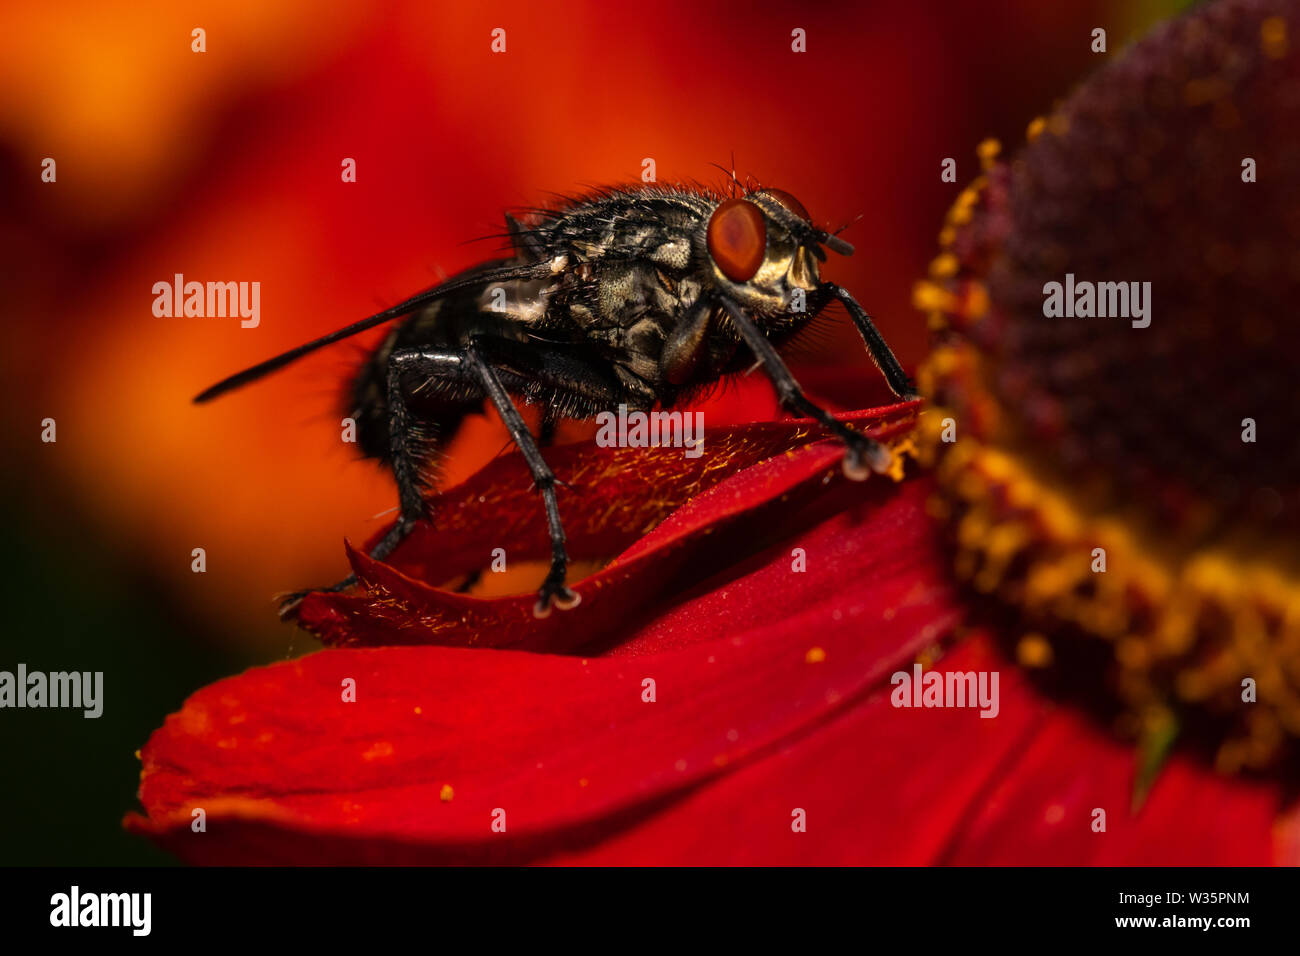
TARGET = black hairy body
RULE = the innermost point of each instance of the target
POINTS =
(639, 297)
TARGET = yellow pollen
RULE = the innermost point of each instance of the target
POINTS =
(1034, 651)
(927, 296)
(988, 151)
(446, 793)
(903, 450)
(1272, 38)
(943, 266)
(815, 655)
(380, 749)
(977, 303)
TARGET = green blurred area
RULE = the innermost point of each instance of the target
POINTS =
(72, 602)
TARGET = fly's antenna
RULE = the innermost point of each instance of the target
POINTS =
(262, 369)
(833, 242)
(815, 238)
(851, 222)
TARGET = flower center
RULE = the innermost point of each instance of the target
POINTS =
(1116, 415)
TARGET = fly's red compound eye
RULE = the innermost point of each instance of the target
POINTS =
(737, 239)
(789, 202)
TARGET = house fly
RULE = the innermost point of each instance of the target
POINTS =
(624, 296)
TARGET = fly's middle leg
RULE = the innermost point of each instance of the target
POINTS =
(553, 591)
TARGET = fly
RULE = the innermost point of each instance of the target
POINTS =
(634, 297)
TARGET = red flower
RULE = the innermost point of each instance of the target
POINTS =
(741, 698)
(771, 701)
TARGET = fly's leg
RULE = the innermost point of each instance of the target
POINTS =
(553, 592)
(862, 454)
(405, 466)
(898, 381)
(568, 380)
(473, 578)
(290, 603)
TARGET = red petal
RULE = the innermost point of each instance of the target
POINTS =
(899, 786)
(567, 747)
(745, 730)
(616, 496)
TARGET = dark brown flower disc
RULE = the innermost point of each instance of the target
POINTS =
(1157, 439)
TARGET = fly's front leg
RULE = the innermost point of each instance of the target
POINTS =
(862, 454)
(881, 354)
(553, 591)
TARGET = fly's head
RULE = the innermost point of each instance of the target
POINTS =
(763, 247)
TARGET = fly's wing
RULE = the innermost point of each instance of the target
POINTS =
(475, 277)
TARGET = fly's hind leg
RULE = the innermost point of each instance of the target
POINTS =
(404, 461)
(290, 603)
(480, 367)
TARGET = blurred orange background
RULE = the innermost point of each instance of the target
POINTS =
(225, 165)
